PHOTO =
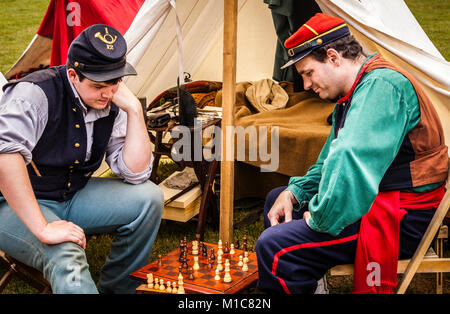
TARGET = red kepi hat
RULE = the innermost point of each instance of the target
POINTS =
(318, 31)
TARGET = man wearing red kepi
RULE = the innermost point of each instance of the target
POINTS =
(377, 181)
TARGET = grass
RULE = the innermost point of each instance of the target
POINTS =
(434, 17)
(19, 21)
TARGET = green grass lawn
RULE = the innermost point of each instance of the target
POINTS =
(19, 21)
(434, 17)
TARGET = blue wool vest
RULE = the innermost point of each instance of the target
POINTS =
(60, 153)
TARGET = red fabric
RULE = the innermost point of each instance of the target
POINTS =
(66, 19)
(378, 239)
(320, 23)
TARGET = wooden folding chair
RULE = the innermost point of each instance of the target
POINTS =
(28, 274)
(423, 260)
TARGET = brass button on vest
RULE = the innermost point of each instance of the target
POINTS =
(77, 126)
(77, 145)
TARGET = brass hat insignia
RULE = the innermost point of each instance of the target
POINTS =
(107, 38)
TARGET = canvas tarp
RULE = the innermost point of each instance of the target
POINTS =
(384, 26)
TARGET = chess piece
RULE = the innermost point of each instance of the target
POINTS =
(219, 248)
(219, 263)
(217, 277)
(226, 249)
(232, 251)
(169, 287)
(180, 278)
(227, 277)
(244, 244)
(161, 285)
(185, 264)
(245, 260)
(236, 245)
(150, 281)
(241, 263)
(156, 285)
(196, 266)
(209, 263)
(174, 287)
(245, 266)
(191, 274)
(212, 256)
(204, 250)
(180, 287)
(194, 248)
(159, 260)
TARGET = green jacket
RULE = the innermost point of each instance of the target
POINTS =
(343, 183)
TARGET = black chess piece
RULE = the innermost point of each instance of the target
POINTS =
(226, 249)
(191, 274)
(159, 260)
(185, 264)
(236, 244)
(212, 256)
(209, 263)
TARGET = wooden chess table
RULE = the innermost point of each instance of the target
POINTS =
(203, 282)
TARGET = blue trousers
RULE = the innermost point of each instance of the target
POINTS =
(292, 257)
(105, 205)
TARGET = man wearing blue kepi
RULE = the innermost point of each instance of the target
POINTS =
(56, 125)
(377, 182)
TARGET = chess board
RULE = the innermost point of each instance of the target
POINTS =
(203, 281)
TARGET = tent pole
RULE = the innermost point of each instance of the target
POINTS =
(228, 100)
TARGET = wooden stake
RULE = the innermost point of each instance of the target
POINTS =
(228, 101)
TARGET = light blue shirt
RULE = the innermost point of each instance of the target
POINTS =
(24, 115)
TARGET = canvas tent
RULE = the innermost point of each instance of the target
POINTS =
(384, 26)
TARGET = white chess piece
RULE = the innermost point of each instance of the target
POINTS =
(180, 287)
(219, 263)
(245, 266)
(196, 266)
(150, 281)
(219, 248)
(227, 277)
(194, 248)
(245, 257)
(161, 285)
(174, 287)
(240, 261)
(217, 277)
(169, 287)
(232, 251)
